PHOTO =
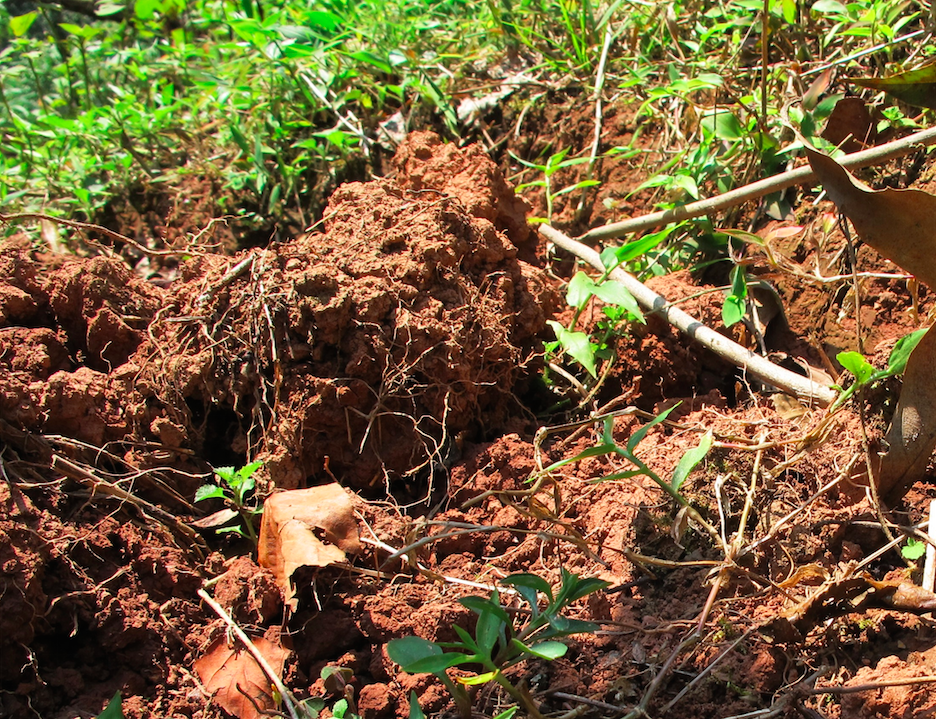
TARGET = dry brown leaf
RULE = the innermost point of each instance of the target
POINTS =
(232, 675)
(306, 528)
(901, 225)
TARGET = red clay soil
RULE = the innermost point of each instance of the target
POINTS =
(397, 350)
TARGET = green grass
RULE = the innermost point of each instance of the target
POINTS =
(269, 100)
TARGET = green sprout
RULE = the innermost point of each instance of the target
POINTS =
(233, 486)
(498, 643)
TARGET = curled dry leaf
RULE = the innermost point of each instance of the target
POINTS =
(235, 680)
(306, 528)
(901, 225)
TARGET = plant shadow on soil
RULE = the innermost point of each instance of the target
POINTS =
(397, 348)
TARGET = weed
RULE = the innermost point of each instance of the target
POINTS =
(497, 643)
(114, 709)
(913, 550)
(233, 487)
(686, 464)
(553, 164)
(864, 372)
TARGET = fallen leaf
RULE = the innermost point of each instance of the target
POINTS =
(232, 675)
(914, 87)
(850, 127)
(306, 528)
(900, 224)
(217, 519)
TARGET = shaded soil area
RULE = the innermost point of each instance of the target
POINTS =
(396, 348)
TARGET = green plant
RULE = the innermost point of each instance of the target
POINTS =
(553, 164)
(686, 464)
(498, 643)
(337, 681)
(235, 487)
(864, 372)
(913, 550)
(113, 710)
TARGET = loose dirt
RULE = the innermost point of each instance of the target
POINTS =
(396, 348)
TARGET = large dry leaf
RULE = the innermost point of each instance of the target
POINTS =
(901, 225)
(306, 528)
(232, 675)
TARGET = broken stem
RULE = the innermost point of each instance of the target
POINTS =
(753, 364)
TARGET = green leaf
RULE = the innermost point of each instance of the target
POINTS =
(20, 24)
(340, 709)
(507, 713)
(311, 708)
(857, 365)
(145, 9)
(689, 461)
(408, 650)
(581, 288)
(832, 7)
(436, 665)
(897, 362)
(480, 606)
(596, 451)
(105, 9)
(637, 437)
(614, 293)
(113, 710)
(733, 310)
(208, 491)
(548, 650)
(531, 581)
(478, 678)
(913, 550)
(632, 250)
(914, 87)
(581, 587)
(577, 345)
(563, 626)
(488, 630)
(415, 711)
(467, 641)
(723, 125)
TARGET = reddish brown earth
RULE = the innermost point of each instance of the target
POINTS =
(396, 348)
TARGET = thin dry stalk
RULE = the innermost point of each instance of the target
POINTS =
(800, 176)
(254, 652)
(752, 363)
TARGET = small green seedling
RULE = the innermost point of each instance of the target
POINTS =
(864, 372)
(233, 487)
(684, 468)
(497, 643)
(913, 550)
(553, 164)
(113, 710)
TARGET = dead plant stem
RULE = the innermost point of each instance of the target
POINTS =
(800, 176)
(755, 364)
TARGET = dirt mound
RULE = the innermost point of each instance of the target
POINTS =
(362, 351)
